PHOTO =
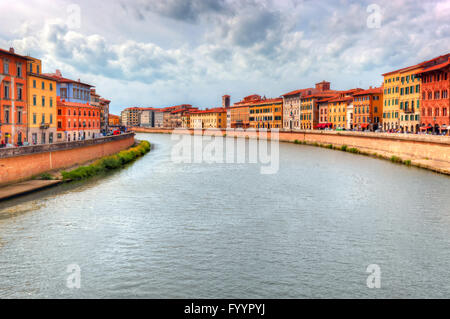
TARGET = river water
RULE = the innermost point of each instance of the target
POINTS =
(160, 229)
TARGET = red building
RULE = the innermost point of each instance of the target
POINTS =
(77, 121)
(435, 108)
(13, 97)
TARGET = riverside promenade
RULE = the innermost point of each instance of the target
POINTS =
(425, 151)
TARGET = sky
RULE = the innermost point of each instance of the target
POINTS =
(168, 52)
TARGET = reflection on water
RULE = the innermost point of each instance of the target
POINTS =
(160, 229)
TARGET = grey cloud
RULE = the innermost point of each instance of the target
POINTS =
(182, 10)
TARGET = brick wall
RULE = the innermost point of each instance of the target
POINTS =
(18, 164)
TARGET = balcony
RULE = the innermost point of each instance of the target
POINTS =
(44, 126)
(409, 110)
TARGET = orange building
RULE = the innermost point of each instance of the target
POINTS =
(77, 121)
(368, 109)
(257, 112)
(13, 97)
(435, 76)
(114, 120)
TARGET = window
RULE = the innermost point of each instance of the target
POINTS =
(51, 102)
(43, 85)
(37, 69)
(43, 101)
(51, 86)
(43, 118)
(19, 70)
(51, 118)
(5, 66)
(19, 116)
(63, 92)
(19, 93)
(50, 138)
(34, 100)
(437, 95)
(59, 124)
(6, 117)
(6, 91)
(34, 118)
(34, 84)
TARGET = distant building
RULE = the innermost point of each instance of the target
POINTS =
(147, 117)
(130, 117)
(159, 118)
(209, 118)
(291, 108)
(114, 120)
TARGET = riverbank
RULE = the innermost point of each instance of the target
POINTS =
(90, 169)
(423, 151)
(107, 163)
(22, 188)
(23, 163)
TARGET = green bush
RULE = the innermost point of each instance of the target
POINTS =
(344, 148)
(353, 150)
(396, 159)
(108, 163)
(408, 162)
(330, 146)
(297, 142)
(46, 177)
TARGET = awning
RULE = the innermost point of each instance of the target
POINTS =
(423, 128)
(364, 125)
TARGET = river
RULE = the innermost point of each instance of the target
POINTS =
(160, 229)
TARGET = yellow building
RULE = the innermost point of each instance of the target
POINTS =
(309, 109)
(209, 118)
(401, 100)
(266, 113)
(337, 111)
(41, 105)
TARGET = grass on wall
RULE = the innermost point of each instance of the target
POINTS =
(107, 163)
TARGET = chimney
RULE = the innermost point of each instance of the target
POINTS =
(11, 50)
(58, 73)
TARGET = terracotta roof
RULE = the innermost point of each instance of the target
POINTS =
(301, 91)
(324, 94)
(61, 79)
(435, 66)
(370, 91)
(72, 104)
(419, 65)
(184, 110)
(15, 54)
(215, 110)
(341, 99)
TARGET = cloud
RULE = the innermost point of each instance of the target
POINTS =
(237, 47)
(183, 10)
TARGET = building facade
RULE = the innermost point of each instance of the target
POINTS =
(131, 117)
(401, 100)
(209, 118)
(77, 121)
(368, 109)
(114, 120)
(13, 98)
(266, 113)
(42, 109)
(291, 108)
(147, 117)
(435, 79)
